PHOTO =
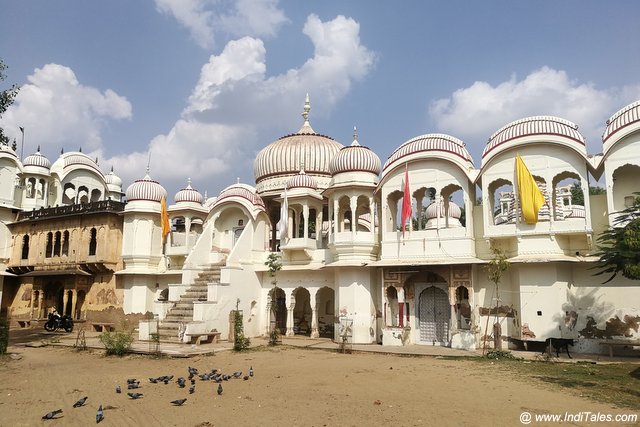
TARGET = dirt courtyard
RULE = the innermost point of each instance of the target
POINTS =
(291, 387)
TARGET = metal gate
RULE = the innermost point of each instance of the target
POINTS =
(435, 314)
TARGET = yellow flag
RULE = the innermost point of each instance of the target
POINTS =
(164, 218)
(531, 198)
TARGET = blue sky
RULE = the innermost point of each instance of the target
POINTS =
(203, 85)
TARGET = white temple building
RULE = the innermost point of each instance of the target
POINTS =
(332, 213)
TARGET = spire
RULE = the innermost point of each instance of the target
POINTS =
(306, 127)
(38, 150)
(355, 138)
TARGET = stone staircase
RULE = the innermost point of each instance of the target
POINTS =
(182, 312)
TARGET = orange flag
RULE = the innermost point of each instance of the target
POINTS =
(164, 218)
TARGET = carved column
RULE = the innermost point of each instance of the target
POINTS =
(353, 205)
(290, 332)
(305, 215)
(65, 298)
(40, 303)
(74, 301)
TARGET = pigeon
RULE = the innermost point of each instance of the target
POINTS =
(246, 377)
(133, 386)
(135, 395)
(118, 389)
(153, 380)
(131, 380)
(80, 402)
(193, 382)
(181, 382)
(192, 389)
(237, 374)
(193, 371)
(219, 389)
(179, 402)
(251, 371)
(51, 415)
(99, 415)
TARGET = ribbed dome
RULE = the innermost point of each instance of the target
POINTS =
(286, 156)
(621, 119)
(37, 159)
(243, 191)
(188, 194)
(302, 180)
(112, 179)
(355, 158)
(146, 189)
(427, 143)
(536, 125)
(454, 210)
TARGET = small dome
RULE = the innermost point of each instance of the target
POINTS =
(355, 158)
(112, 179)
(623, 118)
(146, 189)
(535, 126)
(38, 160)
(433, 142)
(454, 210)
(302, 180)
(188, 194)
(243, 191)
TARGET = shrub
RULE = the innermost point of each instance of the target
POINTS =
(118, 342)
(240, 342)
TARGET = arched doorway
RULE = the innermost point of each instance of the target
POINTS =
(278, 312)
(302, 312)
(325, 308)
(434, 315)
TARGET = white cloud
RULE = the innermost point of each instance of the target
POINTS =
(56, 110)
(234, 102)
(475, 112)
(204, 18)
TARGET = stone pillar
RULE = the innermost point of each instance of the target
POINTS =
(290, 332)
(336, 227)
(74, 301)
(40, 303)
(314, 316)
(65, 298)
(401, 307)
(31, 303)
(187, 230)
(319, 227)
(305, 215)
(353, 205)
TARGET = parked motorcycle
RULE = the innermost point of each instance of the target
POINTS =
(56, 322)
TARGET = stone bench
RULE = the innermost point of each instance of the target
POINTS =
(203, 337)
(618, 343)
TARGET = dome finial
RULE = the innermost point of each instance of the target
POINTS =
(38, 150)
(307, 108)
(189, 182)
(306, 127)
(355, 142)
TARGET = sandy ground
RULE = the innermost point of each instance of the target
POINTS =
(291, 387)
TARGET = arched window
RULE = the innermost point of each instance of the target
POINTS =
(49, 248)
(65, 243)
(93, 242)
(25, 246)
(57, 244)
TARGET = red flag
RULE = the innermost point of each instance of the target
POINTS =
(406, 200)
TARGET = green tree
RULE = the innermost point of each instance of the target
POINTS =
(6, 99)
(619, 245)
(577, 196)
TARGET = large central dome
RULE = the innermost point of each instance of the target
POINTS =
(279, 161)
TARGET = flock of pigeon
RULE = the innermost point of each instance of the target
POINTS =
(134, 384)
